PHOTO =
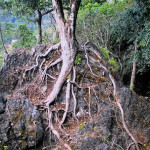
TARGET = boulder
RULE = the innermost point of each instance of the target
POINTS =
(21, 125)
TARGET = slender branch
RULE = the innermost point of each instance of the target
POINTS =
(47, 12)
(133, 69)
(73, 13)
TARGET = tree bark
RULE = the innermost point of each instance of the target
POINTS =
(133, 70)
(39, 23)
(69, 44)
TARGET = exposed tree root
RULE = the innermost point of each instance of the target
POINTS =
(90, 102)
(122, 112)
(67, 100)
(54, 131)
(86, 55)
(73, 94)
(40, 55)
(45, 70)
(132, 144)
(92, 48)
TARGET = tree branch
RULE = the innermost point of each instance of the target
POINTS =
(73, 13)
(58, 8)
(47, 12)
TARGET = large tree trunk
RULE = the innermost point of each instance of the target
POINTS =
(39, 23)
(69, 43)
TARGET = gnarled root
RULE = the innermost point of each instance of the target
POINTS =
(93, 49)
(122, 112)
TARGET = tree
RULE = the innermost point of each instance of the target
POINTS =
(129, 39)
(69, 44)
(1, 35)
(31, 9)
(25, 37)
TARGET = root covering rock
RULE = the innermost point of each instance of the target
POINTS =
(99, 127)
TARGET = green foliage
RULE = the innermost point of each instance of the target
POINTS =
(81, 126)
(57, 40)
(46, 38)
(78, 59)
(68, 76)
(8, 32)
(105, 52)
(126, 26)
(5, 147)
(131, 86)
(130, 27)
(94, 21)
(27, 7)
(1, 61)
(25, 37)
(114, 64)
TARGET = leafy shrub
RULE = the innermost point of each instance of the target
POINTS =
(105, 52)
(94, 19)
(114, 64)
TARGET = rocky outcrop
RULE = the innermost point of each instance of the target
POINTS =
(99, 126)
(105, 131)
(20, 124)
(11, 74)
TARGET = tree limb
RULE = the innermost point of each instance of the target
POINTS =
(47, 12)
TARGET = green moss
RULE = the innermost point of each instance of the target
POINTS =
(113, 63)
(105, 52)
(81, 126)
(1, 61)
(78, 59)
(5, 147)
(21, 132)
(57, 40)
